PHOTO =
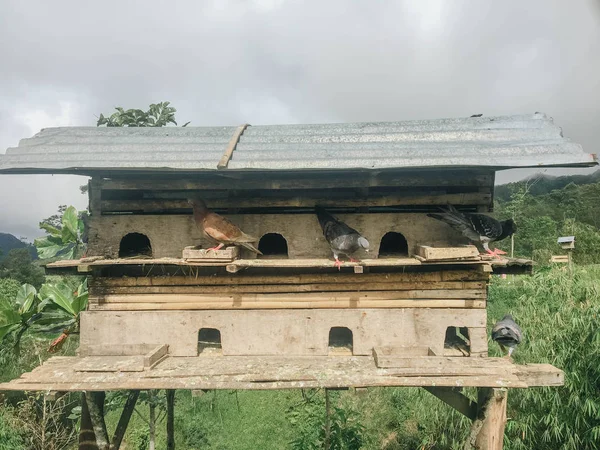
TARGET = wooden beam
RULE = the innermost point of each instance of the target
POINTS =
(295, 201)
(231, 146)
(170, 419)
(456, 399)
(355, 285)
(124, 420)
(95, 404)
(487, 431)
(315, 180)
(302, 304)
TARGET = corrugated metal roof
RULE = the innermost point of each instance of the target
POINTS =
(487, 142)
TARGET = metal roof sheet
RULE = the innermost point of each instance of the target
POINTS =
(488, 142)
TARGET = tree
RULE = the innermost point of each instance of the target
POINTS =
(19, 266)
(158, 115)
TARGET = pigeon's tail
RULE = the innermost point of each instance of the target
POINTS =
(250, 247)
(324, 217)
(452, 217)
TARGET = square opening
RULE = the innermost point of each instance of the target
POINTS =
(457, 342)
(209, 342)
(340, 341)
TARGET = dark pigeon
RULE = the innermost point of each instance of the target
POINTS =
(342, 239)
(478, 228)
(507, 333)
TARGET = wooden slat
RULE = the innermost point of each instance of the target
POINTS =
(358, 179)
(110, 364)
(155, 355)
(447, 253)
(330, 304)
(231, 146)
(462, 294)
(289, 288)
(416, 278)
(153, 205)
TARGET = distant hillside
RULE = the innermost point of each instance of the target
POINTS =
(8, 242)
(546, 184)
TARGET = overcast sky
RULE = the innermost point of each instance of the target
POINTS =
(275, 61)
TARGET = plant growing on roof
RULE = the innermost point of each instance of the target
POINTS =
(67, 241)
(158, 115)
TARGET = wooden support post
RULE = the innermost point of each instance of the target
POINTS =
(487, 431)
(87, 438)
(95, 404)
(171, 419)
(455, 398)
(124, 420)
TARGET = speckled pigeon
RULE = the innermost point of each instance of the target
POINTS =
(507, 333)
(218, 229)
(479, 228)
(342, 239)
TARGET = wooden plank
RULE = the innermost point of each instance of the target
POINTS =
(155, 355)
(456, 399)
(541, 375)
(204, 255)
(95, 406)
(388, 356)
(320, 180)
(401, 278)
(295, 201)
(110, 364)
(340, 304)
(100, 292)
(462, 294)
(99, 349)
(226, 372)
(447, 253)
(559, 259)
(224, 161)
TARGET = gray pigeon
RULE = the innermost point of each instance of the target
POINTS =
(507, 333)
(478, 228)
(342, 239)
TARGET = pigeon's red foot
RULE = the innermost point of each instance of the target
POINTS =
(338, 264)
(496, 252)
(218, 247)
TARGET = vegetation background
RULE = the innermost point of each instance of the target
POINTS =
(558, 309)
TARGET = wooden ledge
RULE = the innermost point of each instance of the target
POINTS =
(62, 373)
(86, 265)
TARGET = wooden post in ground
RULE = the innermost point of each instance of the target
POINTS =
(487, 431)
(170, 419)
(87, 438)
(95, 405)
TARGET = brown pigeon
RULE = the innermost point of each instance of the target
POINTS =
(218, 229)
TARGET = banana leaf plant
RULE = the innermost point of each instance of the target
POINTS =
(17, 316)
(67, 241)
(56, 308)
(60, 310)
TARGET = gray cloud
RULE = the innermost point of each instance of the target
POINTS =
(274, 61)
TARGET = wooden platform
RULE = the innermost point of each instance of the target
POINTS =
(259, 372)
(87, 265)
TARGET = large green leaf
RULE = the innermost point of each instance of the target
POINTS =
(25, 298)
(69, 228)
(60, 294)
(46, 248)
(80, 302)
(6, 329)
(53, 231)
